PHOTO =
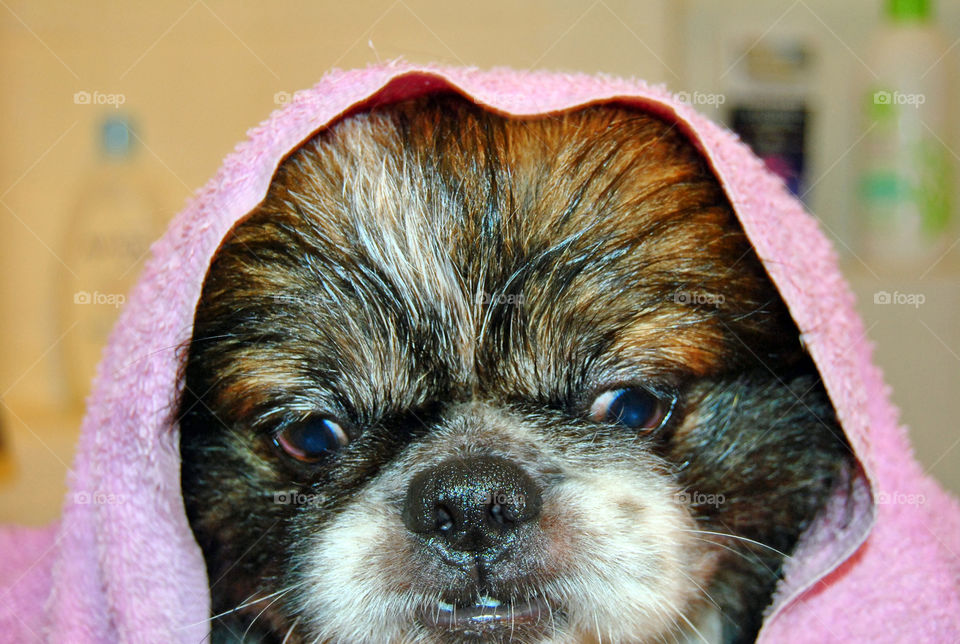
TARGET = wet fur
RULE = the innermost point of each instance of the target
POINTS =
(454, 282)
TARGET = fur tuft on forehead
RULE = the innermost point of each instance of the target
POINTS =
(510, 257)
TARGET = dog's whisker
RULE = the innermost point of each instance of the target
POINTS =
(291, 629)
(247, 603)
(679, 614)
(278, 597)
(740, 538)
(702, 590)
(751, 557)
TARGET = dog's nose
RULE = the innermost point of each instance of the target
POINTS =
(472, 504)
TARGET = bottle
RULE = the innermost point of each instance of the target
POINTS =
(906, 171)
(116, 218)
(769, 88)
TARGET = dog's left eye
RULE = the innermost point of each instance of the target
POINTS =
(311, 440)
(632, 407)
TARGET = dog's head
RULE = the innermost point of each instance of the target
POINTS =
(461, 376)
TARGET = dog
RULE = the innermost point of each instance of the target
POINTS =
(461, 377)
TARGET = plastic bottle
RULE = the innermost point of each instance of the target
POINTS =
(116, 218)
(906, 171)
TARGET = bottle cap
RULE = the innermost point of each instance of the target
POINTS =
(116, 138)
(908, 10)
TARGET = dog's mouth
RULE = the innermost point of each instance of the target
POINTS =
(486, 615)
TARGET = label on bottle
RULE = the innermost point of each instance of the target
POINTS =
(904, 185)
(777, 136)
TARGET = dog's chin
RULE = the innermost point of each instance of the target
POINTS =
(487, 618)
(539, 620)
(614, 557)
(597, 605)
(531, 619)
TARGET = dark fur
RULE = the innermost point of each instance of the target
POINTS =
(591, 249)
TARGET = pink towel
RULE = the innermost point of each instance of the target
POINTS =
(122, 565)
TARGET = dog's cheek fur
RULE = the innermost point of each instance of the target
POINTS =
(759, 456)
(635, 556)
(229, 512)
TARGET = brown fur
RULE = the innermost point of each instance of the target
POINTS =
(430, 266)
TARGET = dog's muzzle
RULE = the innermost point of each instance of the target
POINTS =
(478, 516)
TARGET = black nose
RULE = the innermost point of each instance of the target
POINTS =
(472, 504)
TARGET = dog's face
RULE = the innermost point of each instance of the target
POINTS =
(461, 377)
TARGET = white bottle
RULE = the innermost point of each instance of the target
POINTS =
(118, 215)
(906, 171)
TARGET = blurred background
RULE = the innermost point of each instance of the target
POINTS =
(113, 113)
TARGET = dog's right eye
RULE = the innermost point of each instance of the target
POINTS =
(309, 441)
(631, 407)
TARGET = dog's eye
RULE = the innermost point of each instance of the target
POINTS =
(632, 407)
(312, 439)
